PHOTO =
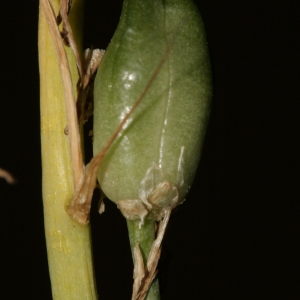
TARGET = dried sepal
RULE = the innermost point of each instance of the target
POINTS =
(91, 61)
(133, 209)
(156, 194)
(164, 196)
(138, 271)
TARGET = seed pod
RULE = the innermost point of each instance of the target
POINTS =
(154, 159)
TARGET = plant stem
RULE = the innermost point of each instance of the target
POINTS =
(145, 237)
(68, 243)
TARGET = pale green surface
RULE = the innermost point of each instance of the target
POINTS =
(68, 243)
(174, 113)
(172, 118)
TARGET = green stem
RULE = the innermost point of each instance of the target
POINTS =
(144, 236)
(68, 243)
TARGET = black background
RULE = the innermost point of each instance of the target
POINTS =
(236, 236)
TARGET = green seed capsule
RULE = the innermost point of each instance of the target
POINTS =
(152, 163)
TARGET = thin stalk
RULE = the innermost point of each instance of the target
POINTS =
(145, 237)
(68, 243)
